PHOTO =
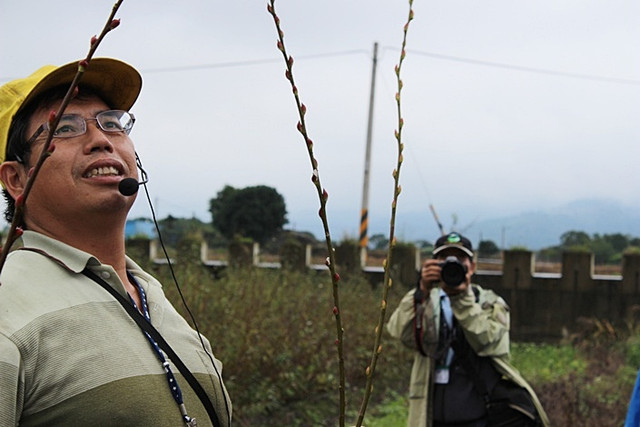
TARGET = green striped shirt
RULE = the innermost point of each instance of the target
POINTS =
(69, 353)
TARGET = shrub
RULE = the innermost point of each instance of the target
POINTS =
(275, 333)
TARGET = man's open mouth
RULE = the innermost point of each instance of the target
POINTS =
(102, 171)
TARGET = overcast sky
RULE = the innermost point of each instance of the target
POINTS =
(508, 106)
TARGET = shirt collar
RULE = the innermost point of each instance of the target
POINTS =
(72, 258)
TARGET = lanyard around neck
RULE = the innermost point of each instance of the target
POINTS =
(176, 392)
(148, 327)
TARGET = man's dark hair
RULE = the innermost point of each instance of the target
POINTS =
(17, 147)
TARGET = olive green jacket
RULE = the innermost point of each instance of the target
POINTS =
(486, 327)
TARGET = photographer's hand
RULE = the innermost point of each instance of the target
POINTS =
(429, 275)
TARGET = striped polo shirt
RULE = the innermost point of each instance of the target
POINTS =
(70, 354)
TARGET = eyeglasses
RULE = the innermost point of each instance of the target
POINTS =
(71, 125)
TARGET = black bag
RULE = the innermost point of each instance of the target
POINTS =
(510, 405)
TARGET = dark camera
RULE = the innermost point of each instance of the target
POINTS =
(453, 271)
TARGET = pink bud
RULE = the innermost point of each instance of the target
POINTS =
(115, 23)
(325, 195)
(269, 8)
(30, 173)
(309, 143)
(290, 61)
(52, 116)
(335, 310)
(337, 341)
(336, 277)
(84, 63)
(303, 108)
(94, 39)
(299, 126)
(280, 46)
(19, 231)
(287, 74)
(314, 178)
(51, 148)
(20, 200)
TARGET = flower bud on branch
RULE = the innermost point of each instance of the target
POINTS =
(18, 217)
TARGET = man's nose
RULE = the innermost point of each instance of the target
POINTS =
(98, 140)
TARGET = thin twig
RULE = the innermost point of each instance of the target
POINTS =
(323, 196)
(15, 229)
(377, 348)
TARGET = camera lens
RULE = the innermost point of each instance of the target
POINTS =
(453, 271)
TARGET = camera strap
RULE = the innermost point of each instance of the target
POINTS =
(418, 330)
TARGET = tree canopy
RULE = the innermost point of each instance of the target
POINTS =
(257, 212)
(487, 248)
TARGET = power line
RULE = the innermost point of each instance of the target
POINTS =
(251, 62)
(233, 64)
(522, 68)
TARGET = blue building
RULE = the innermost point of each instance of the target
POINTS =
(140, 227)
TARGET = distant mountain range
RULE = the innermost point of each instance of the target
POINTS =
(538, 229)
(530, 229)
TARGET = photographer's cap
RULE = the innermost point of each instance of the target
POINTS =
(453, 240)
(117, 83)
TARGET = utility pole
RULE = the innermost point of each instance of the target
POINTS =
(364, 213)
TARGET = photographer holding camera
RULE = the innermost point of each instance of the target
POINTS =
(461, 375)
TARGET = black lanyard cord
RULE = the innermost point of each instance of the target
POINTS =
(153, 332)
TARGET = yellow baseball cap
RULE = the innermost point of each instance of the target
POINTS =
(117, 83)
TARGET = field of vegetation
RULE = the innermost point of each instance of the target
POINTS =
(275, 333)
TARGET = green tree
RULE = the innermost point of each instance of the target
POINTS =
(487, 248)
(378, 242)
(603, 251)
(618, 241)
(174, 229)
(257, 212)
(574, 238)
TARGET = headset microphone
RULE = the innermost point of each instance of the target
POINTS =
(129, 186)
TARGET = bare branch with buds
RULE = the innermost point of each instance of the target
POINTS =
(15, 229)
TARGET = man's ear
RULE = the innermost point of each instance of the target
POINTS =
(14, 177)
(473, 267)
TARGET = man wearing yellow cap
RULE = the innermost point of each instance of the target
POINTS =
(460, 333)
(74, 346)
